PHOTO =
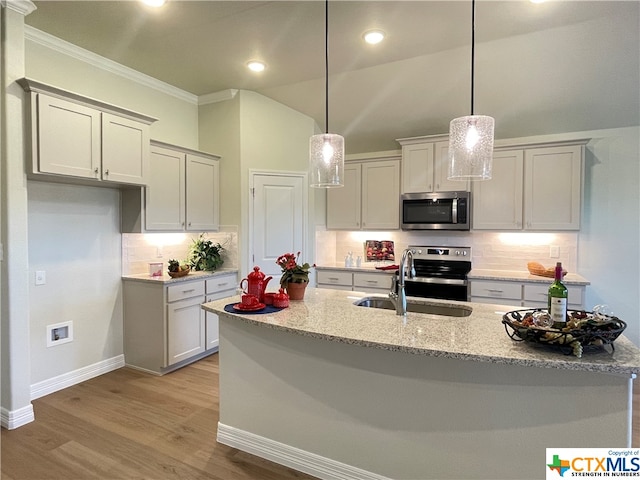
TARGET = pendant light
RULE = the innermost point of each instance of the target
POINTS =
(471, 137)
(326, 151)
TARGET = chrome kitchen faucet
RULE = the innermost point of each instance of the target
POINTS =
(400, 298)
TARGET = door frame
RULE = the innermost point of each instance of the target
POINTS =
(307, 250)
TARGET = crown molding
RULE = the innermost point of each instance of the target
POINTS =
(62, 46)
(23, 7)
(221, 96)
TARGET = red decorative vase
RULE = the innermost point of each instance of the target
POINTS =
(296, 290)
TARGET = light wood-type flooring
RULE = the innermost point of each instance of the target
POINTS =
(130, 425)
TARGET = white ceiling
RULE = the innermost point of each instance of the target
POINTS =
(554, 67)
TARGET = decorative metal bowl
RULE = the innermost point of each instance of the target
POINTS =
(584, 330)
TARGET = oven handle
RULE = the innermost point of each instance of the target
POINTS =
(443, 281)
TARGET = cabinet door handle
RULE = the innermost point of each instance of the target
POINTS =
(96, 170)
(106, 172)
(333, 279)
(494, 290)
(372, 282)
(190, 290)
(189, 223)
(223, 284)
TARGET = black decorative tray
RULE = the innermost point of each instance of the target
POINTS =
(584, 329)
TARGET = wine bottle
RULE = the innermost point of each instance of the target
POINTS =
(558, 300)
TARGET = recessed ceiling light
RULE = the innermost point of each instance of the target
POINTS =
(373, 36)
(256, 66)
(537, 1)
(154, 3)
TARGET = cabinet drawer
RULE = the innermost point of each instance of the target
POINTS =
(491, 289)
(183, 290)
(538, 293)
(335, 278)
(222, 283)
(372, 280)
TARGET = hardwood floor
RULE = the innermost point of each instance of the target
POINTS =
(131, 425)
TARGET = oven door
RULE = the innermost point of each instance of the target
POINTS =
(441, 288)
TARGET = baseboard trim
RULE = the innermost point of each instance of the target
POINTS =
(69, 379)
(11, 419)
(292, 457)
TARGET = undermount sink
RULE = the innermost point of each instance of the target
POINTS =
(431, 309)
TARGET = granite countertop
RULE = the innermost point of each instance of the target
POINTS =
(331, 315)
(366, 267)
(524, 276)
(165, 278)
(475, 274)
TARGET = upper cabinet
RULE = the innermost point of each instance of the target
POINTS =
(425, 165)
(532, 188)
(182, 193)
(370, 197)
(83, 139)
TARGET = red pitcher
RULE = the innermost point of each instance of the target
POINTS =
(256, 283)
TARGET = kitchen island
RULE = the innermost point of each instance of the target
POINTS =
(342, 391)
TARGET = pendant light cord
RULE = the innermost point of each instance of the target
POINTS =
(326, 66)
(473, 48)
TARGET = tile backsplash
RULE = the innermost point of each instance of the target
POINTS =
(138, 250)
(490, 250)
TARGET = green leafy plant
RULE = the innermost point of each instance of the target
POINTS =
(292, 272)
(205, 255)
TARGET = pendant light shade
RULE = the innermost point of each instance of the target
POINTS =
(326, 158)
(471, 147)
(326, 151)
(471, 137)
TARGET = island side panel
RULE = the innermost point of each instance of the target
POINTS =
(408, 416)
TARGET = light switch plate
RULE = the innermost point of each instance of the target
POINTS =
(41, 277)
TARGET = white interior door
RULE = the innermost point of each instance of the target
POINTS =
(279, 212)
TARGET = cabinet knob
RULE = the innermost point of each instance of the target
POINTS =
(96, 170)
(437, 186)
(106, 172)
(189, 223)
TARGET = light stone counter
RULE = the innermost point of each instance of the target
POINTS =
(346, 392)
(524, 276)
(475, 274)
(332, 315)
(165, 278)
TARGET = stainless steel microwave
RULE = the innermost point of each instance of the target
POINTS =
(435, 211)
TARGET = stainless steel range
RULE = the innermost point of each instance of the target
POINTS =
(440, 272)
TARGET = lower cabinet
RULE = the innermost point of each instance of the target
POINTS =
(357, 281)
(217, 288)
(521, 294)
(165, 326)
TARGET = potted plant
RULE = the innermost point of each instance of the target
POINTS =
(205, 255)
(295, 276)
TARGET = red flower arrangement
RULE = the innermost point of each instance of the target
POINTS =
(292, 272)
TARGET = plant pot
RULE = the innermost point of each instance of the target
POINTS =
(296, 290)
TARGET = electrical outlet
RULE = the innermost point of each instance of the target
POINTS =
(554, 251)
(41, 277)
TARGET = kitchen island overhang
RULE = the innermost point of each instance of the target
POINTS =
(340, 391)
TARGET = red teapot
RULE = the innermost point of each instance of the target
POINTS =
(256, 283)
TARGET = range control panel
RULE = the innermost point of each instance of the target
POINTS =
(441, 253)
